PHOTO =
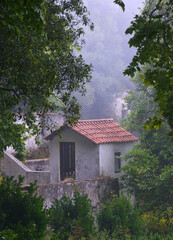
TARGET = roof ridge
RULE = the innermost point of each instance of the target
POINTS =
(96, 120)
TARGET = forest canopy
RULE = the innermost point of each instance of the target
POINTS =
(38, 43)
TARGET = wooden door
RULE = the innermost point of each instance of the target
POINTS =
(67, 160)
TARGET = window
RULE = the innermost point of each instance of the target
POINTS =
(117, 161)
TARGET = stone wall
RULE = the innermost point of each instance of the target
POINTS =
(86, 155)
(11, 166)
(38, 164)
(98, 190)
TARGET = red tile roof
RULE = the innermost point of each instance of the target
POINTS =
(102, 131)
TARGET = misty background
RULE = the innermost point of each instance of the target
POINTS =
(107, 49)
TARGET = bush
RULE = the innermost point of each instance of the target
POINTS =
(8, 234)
(119, 218)
(105, 236)
(35, 152)
(21, 211)
(72, 216)
(159, 221)
(41, 151)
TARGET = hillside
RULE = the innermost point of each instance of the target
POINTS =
(107, 49)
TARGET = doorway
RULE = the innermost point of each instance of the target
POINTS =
(67, 160)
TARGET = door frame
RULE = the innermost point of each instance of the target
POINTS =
(68, 172)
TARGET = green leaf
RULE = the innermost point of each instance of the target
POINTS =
(120, 3)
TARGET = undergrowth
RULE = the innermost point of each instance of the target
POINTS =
(22, 216)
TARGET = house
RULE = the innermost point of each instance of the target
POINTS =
(88, 150)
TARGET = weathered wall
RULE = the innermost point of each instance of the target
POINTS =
(91, 160)
(86, 156)
(11, 166)
(98, 190)
(107, 162)
(38, 164)
(42, 177)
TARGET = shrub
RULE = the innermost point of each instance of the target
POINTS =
(118, 217)
(72, 216)
(159, 221)
(41, 151)
(8, 234)
(34, 152)
(21, 211)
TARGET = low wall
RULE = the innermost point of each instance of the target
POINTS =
(38, 164)
(11, 166)
(98, 190)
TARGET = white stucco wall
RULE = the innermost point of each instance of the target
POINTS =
(86, 156)
(10, 166)
(107, 162)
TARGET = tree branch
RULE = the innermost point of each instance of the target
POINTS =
(10, 90)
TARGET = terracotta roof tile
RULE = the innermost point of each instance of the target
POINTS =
(101, 131)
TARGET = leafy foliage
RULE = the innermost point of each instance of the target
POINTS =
(153, 37)
(119, 217)
(159, 221)
(120, 3)
(30, 14)
(72, 216)
(144, 177)
(148, 172)
(22, 217)
(21, 212)
(35, 66)
(8, 234)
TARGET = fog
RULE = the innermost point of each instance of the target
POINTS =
(107, 49)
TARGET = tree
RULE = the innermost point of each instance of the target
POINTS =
(21, 211)
(29, 14)
(153, 37)
(38, 61)
(149, 168)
